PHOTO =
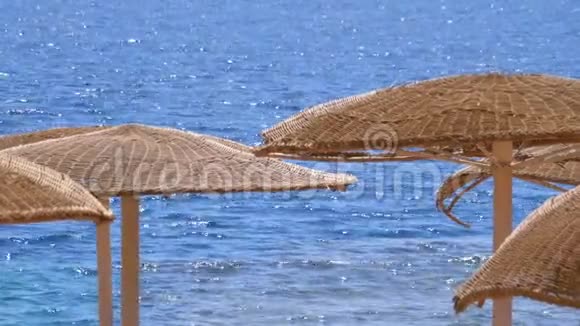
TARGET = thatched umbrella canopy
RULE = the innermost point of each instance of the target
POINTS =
(453, 118)
(458, 114)
(138, 159)
(31, 193)
(539, 260)
(12, 140)
(565, 170)
(133, 160)
(103, 230)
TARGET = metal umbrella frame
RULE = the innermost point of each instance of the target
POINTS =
(452, 118)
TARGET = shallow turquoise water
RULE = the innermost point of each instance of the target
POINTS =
(379, 254)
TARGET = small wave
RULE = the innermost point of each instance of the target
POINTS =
(312, 264)
(216, 266)
(53, 238)
(190, 245)
(201, 224)
(396, 233)
(205, 234)
(81, 271)
(17, 240)
(308, 318)
(52, 310)
(468, 260)
(29, 111)
(427, 247)
(193, 267)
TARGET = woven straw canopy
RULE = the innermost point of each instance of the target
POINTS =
(540, 259)
(8, 141)
(32, 193)
(564, 170)
(138, 159)
(452, 113)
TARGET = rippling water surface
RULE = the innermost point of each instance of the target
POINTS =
(377, 255)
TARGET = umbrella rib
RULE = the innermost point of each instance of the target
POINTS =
(447, 210)
(144, 167)
(174, 158)
(546, 184)
(465, 190)
(487, 153)
(433, 154)
(404, 156)
(358, 158)
(558, 155)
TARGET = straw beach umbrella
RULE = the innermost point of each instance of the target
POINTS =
(132, 160)
(30, 193)
(453, 118)
(540, 259)
(103, 233)
(549, 174)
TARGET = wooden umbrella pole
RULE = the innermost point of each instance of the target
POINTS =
(130, 261)
(502, 218)
(104, 268)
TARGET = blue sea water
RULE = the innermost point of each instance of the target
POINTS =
(379, 254)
